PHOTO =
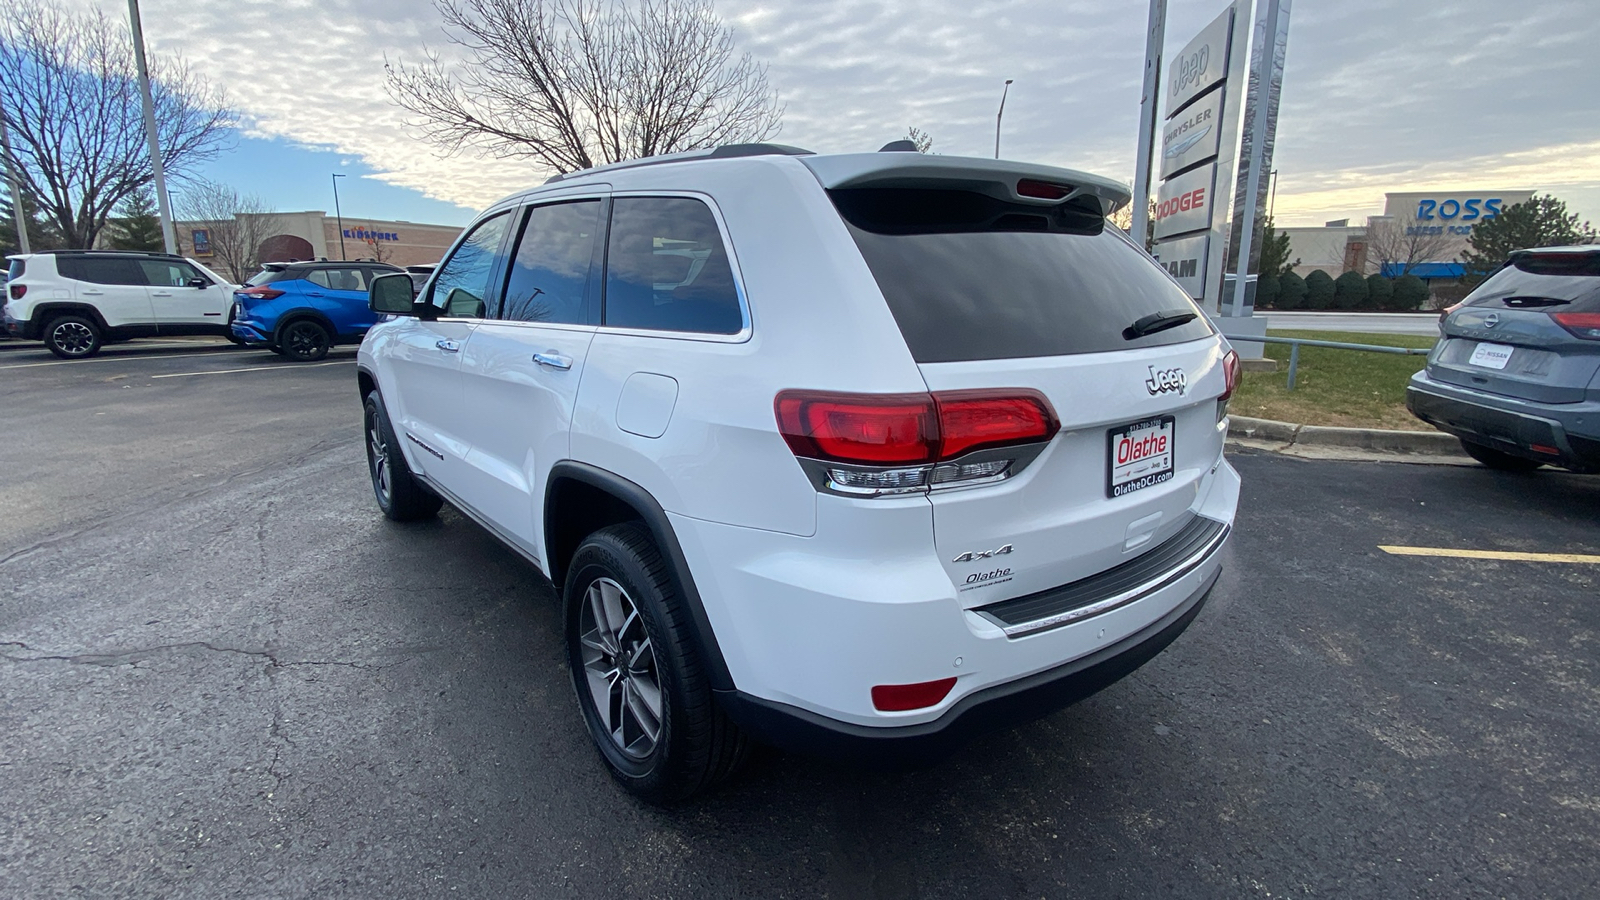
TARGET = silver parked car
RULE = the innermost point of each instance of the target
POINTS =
(1516, 372)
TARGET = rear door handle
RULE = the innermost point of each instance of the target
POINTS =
(553, 359)
(314, 294)
(161, 293)
(448, 346)
(93, 293)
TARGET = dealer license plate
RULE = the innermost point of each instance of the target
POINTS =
(1141, 455)
(1491, 356)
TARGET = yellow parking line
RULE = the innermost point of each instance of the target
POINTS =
(280, 367)
(1590, 558)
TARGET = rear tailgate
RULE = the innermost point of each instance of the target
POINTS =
(1013, 280)
(1058, 515)
(1508, 336)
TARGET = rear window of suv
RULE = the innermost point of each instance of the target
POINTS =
(968, 276)
(1568, 282)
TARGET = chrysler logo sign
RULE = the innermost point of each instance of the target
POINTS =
(1182, 144)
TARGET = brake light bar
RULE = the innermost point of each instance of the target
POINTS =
(890, 429)
(1043, 190)
(1582, 325)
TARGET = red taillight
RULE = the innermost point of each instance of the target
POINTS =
(1230, 373)
(262, 292)
(901, 697)
(18, 291)
(859, 428)
(975, 420)
(902, 429)
(1044, 190)
(1583, 325)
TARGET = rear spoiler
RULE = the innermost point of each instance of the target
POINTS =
(994, 177)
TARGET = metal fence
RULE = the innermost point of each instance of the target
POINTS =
(1294, 348)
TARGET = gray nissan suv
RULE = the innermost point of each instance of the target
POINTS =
(1516, 372)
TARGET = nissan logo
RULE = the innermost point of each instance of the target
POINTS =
(1491, 320)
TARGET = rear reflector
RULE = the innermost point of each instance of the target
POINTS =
(1583, 325)
(901, 697)
(896, 429)
(1542, 448)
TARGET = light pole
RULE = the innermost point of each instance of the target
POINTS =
(168, 234)
(18, 212)
(337, 215)
(999, 115)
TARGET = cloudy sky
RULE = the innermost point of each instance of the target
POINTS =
(1379, 95)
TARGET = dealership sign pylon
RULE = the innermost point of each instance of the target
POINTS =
(1220, 95)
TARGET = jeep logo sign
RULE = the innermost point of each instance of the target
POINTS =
(1201, 64)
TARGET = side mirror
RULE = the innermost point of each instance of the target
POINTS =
(392, 294)
(199, 282)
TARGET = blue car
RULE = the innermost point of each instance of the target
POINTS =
(300, 309)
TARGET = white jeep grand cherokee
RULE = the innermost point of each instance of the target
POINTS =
(850, 454)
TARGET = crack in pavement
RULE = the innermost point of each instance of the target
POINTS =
(132, 657)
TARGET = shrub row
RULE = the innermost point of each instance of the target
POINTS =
(1351, 290)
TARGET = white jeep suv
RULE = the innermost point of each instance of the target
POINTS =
(851, 454)
(78, 300)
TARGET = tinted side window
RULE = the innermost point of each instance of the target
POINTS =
(461, 287)
(968, 276)
(667, 270)
(319, 277)
(549, 280)
(100, 270)
(18, 267)
(162, 273)
(352, 279)
(268, 276)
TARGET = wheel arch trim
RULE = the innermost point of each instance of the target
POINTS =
(289, 317)
(655, 519)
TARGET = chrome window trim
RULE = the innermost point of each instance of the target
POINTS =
(746, 329)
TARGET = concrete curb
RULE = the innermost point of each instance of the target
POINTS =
(1421, 443)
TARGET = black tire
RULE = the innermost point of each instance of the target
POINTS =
(399, 494)
(73, 337)
(696, 744)
(1494, 459)
(305, 340)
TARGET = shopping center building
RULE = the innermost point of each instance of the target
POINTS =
(1423, 233)
(313, 234)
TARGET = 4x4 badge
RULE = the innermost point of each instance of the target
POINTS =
(982, 554)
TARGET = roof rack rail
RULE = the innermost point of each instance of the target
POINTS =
(726, 151)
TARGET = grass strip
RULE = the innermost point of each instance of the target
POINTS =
(1348, 388)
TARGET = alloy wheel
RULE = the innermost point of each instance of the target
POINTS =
(378, 457)
(620, 668)
(74, 338)
(305, 340)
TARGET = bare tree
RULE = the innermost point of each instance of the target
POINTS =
(579, 83)
(922, 139)
(378, 251)
(1398, 247)
(77, 130)
(236, 224)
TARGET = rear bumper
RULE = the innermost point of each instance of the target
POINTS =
(1508, 424)
(991, 709)
(249, 333)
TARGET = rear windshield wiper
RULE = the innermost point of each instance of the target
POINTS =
(1157, 321)
(1532, 302)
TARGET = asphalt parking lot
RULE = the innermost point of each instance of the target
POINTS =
(222, 673)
